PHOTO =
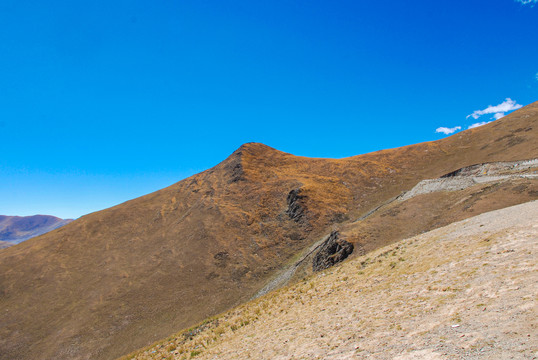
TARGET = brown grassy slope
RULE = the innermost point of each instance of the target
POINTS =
(464, 291)
(118, 279)
(403, 219)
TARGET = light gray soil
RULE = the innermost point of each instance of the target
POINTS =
(465, 291)
(475, 174)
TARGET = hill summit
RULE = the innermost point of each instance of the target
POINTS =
(118, 279)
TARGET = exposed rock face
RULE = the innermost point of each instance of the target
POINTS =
(221, 259)
(234, 168)
(468, 176)
(333, 251)
(495, 168)
(296, 209)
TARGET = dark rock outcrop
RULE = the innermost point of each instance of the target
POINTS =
(236, 172)
(332, 251)
(234, 167)
(296, 208)
(221, 259)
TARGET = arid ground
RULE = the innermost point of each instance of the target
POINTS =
(464, 291)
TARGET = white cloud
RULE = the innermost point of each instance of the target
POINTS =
(498, 110)
(475, 125)
(537, 76)
(447, 131)
(526, 2)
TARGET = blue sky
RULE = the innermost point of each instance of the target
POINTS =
(104, 101)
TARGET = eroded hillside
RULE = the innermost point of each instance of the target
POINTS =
(118, 279)
(467, 290)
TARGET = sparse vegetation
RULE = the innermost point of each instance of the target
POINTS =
(236, 234)
(381, 300)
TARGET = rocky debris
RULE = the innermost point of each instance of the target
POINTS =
(494, 168)
(333, 251)
(237, 173)
(284, 276)
(475, 174)
(239, 272)
(221, 259)
(296, 207)
(436, 185)
(457, 183)
(466, 177)
(234, 167)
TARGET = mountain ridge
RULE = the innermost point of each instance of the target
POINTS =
(14, 229)
(118, 279)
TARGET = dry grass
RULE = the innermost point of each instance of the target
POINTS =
(119, 279)
(466, 290)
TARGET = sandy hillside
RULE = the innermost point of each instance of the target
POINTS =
(464, 291)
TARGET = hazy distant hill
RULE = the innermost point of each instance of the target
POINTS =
(14, 229)
(118, 279)
(5, 244)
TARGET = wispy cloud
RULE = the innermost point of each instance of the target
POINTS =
(447, 131)
(527, 2)
(498, 110)
(475, 125)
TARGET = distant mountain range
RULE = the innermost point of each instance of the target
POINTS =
(14, 229)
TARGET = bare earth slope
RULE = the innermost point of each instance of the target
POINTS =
(467, 290)
(14, 229)
(118, 279)
(411, 214)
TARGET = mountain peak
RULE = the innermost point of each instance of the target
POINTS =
(248, 153)
(169, 259)
(255, 148)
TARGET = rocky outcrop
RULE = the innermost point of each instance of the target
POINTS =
(296, 207)
(495, 168)
(333, 251)
(468, 176)
(221, 259)
(234, 168)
